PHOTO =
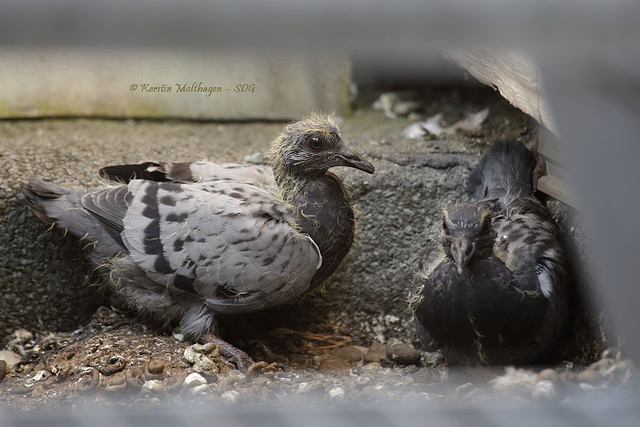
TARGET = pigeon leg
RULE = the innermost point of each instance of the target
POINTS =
(234, 354)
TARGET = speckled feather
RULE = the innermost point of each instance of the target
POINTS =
(507, 302)
(188, 241)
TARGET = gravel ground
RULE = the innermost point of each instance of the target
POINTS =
(352, 341)
(115, 361)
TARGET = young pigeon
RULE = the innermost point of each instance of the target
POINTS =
(189, 241)
(493, 290)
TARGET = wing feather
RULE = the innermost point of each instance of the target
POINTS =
(227, 241)
(190, 172)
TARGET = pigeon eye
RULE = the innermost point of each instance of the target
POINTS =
(315, 143)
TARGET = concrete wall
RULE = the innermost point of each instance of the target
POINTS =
(169, 83)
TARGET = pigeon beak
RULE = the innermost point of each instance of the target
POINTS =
(462, 250)
(348, 157)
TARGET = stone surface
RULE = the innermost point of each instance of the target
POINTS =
(402, 353)
(160, 83)
(348, 353)
(375, 353)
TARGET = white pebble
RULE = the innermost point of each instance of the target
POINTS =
(194, 379)
(190, 355)
(154, 386)
(198, 390)
(82, 370)
(41, 375)
(230, 397)
(336, 393)
(544, 389)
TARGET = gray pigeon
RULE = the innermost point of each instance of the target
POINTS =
(189, 241)
(493, 290)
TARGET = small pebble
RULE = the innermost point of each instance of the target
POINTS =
(156, 366)
(116, 383)
(314, 388)
(544, 390)
(587, 387)
(611, 353)
(198, 390)
(190, 354)
(41, 375)
(231, 397)
(132, 379)
(204, 348)
(348, 353)
(334, 364)
(372, 369)
(375, 353)
(204, 364)
(463, 390)
(403, 108)
(112, 365)
(231, 381)
(362, 381)
(548, 374)
(566, 377)
(426, 376)
(90, 383)
(336, 393)
(194, 379)
(434, 359)
(376, 392)
(255, 158)
(589, 376)
(403, 354)
(195, 354)
(10, 358)
(154, 386)
(22, 335)
(475, 394)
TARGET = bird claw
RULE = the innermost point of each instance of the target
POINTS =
(232, 353)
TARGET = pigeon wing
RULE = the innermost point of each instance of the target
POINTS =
(190, 172)
(229, 242)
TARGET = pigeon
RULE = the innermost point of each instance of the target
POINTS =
(493, 289)
(187, 242)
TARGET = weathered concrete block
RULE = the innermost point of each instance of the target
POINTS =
(181, 83)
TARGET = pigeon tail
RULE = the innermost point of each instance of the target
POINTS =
(64, 208)
(504, 173)
(53, 204)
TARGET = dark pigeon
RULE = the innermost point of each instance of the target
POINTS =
(185, 242)
(493, 289)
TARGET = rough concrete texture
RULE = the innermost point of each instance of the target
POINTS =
(43, 276)
(160, 83)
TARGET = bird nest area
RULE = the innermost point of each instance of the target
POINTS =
(353, 340)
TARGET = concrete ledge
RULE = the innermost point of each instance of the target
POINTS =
(155, 83)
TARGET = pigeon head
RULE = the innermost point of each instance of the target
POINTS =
(307, 148)
(466, 234)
